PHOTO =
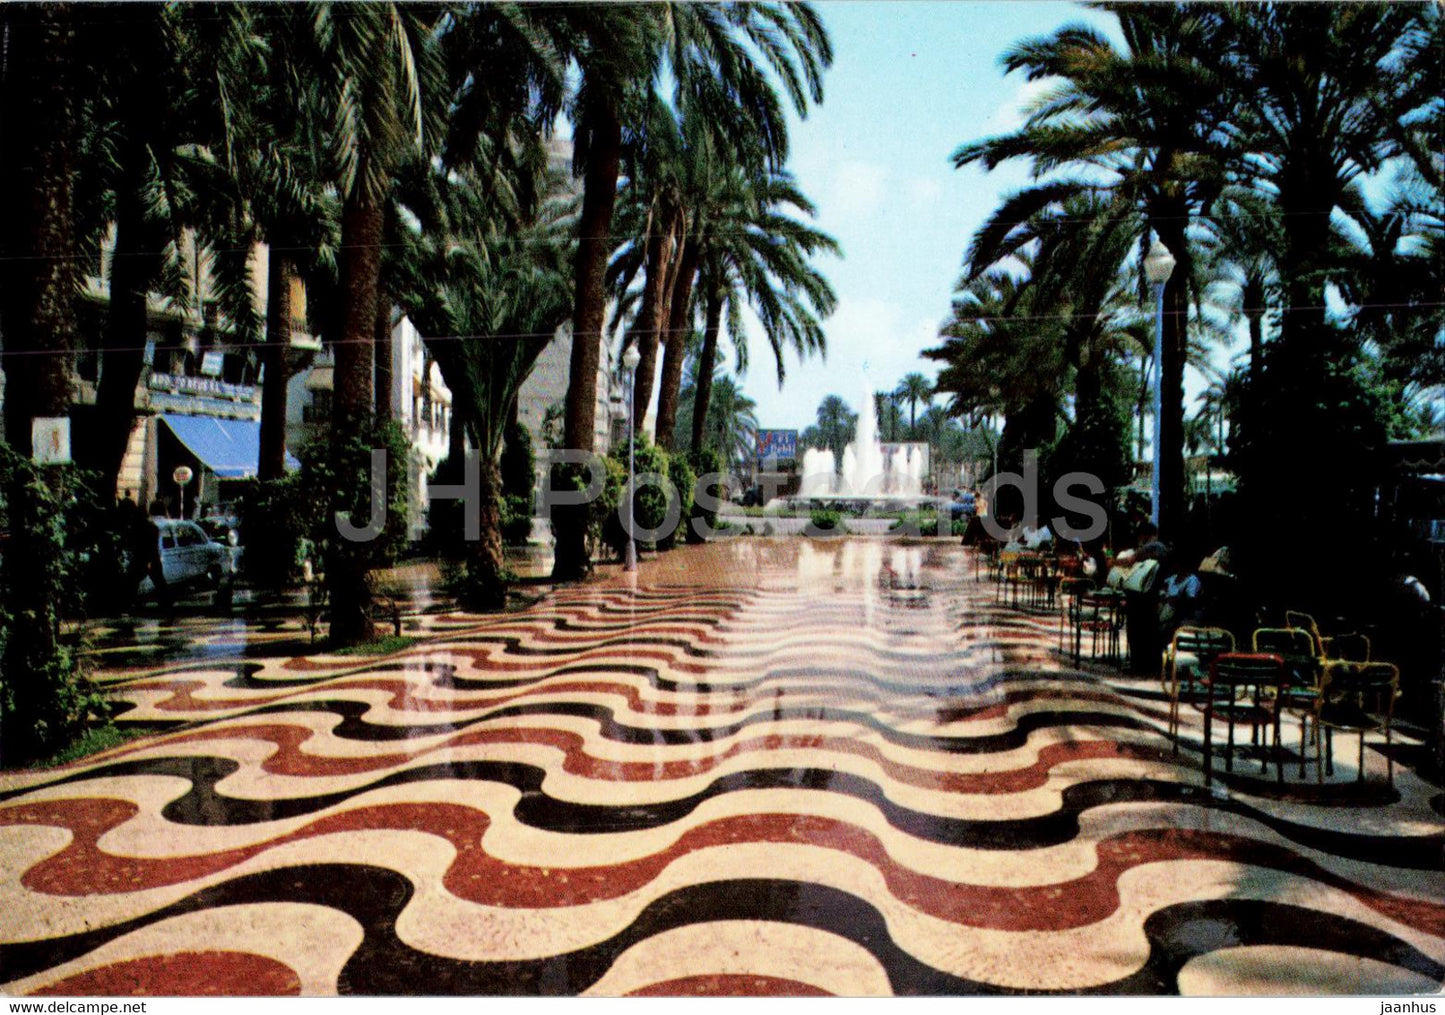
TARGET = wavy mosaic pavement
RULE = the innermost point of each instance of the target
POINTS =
(768, 767)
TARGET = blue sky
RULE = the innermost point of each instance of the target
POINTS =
(910, 82)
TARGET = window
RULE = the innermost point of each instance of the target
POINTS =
(319, 411)
(191, 535)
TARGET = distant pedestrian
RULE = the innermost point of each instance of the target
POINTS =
(146, 553)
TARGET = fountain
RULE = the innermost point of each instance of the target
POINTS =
(864, 474)
(817, 477)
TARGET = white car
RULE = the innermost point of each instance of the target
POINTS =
(189, 557)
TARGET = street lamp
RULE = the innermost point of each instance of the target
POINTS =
(630, 358)
(1158, 266)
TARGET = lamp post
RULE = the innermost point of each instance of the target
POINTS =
(1158, 266)
(630, 359)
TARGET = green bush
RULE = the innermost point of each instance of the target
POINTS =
(45, 697)
(683, 481)
(275, 524)
(516, 519)
(518, 463)
(923, 523)
(603, 528)
(826, 521)
(339, 479)
(649, 503)
(446, 516)
(706, 462)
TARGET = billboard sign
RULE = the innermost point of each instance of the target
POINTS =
(777, 444)
(50, 440)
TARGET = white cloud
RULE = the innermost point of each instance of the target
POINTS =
(924, 191)
(872, 343)
(855, 190)
(1009, 116)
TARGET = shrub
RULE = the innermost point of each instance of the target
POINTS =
(45, 696)
(446, 516)
(683, 481)
(706, 462)
(516, 519)
(518, 464)
(826, 521)
(340, 479)
(922, 523)
(275, 523)
(650, 501)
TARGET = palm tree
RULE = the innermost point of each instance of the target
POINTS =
(1325, 94)
(280, 192)
(835, 427)
(653, 213)
(731, 425)
(39, 108)
(381, 87)
(1243, 235)
(754, 254)
(38, 276)
(915, 388)
(888, 413)
(1143, 125)
(620, 51)
(1320, 97)
(148, 118)
(507, 299)
(998, 362)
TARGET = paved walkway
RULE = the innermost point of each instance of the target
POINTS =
(769, 766)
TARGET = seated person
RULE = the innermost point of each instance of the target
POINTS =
(1036, 538)
(1179, 598)
(964, 505)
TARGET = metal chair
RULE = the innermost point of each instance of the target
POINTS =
(1101, 614)
(1294, 618)
(1071, 593)
(1353, 647)
(1185, 663)
(1298, 648)
(1357, 697)
(1231, 677)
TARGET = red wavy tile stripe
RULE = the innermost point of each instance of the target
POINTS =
(82, 868)
(185, 974)
(291, 760)
(729, 985)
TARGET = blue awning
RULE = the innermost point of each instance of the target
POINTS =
(231, 448)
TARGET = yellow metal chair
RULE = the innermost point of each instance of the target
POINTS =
(1357, 697)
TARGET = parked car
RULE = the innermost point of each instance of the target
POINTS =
(189, 557)
(226, 530)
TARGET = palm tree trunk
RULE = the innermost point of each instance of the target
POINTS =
(361, 229)
(679, 314)
(659, 253)
(1253, 298)
(347, 571)
(384, 407)
(273, 392)
(1171, 380)
(1305, 220)
(599, 196)
(125, 334)
(37, 106)
(486, 561)
(702, 398)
